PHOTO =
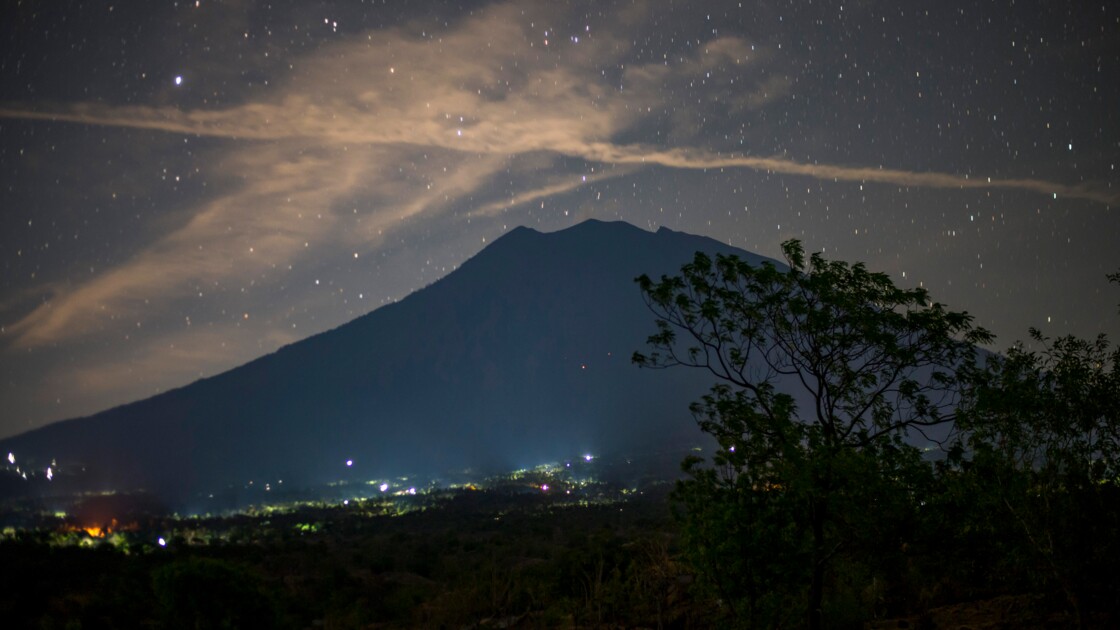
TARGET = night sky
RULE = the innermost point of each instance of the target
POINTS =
(185, 186)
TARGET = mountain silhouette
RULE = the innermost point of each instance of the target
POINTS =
(520, 356)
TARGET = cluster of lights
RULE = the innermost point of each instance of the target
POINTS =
(48, 473)
(541, 477)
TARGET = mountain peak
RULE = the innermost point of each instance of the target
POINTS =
(520, 356)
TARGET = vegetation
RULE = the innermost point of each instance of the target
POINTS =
(475, 559)
(868, 361)
(1042, 446)
(817, 508)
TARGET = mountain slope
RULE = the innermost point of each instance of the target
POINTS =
(519, 356)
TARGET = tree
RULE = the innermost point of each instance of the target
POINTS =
(1043, 426)
(824, 368)
(1114, 278)
(196, 593)
(1056, 409)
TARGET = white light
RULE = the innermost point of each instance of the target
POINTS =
(178, 80)
(346, 502)
(11, 458)
(50, 473)
(587, 458)
(544, 487)
(162, 542)
(349, 462)
(384, 487)
(412, 490)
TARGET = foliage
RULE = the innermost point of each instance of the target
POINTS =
(493, 561)
(199, 593)
(1042, 438)
(825, 368)
(1056, 410)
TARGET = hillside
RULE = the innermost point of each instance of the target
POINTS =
(519, 356)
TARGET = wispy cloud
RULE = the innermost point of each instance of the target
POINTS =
(161, 363)
(459, 111)
(565, 185)
(698, 159)
(483, 137)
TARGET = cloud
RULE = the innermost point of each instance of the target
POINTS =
(183, 356)
(242, 234)
(699, 159)
(564, 185)
(489, 136)
(458, 111)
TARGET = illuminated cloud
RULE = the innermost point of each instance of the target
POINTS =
(459, 111)
(693, 159)
(567, 184)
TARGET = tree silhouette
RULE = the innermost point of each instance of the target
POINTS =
(823, 369)
(1044, 427)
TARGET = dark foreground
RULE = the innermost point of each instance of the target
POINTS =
(496, 558)
(500, 558)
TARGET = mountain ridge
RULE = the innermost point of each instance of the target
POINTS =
(518, 356)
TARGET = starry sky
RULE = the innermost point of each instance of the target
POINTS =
(185, 186)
